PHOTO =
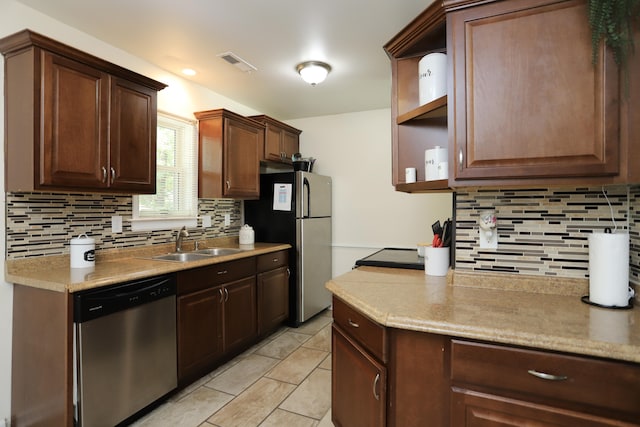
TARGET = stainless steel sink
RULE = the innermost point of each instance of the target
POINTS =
(181, 257)
(217, 251)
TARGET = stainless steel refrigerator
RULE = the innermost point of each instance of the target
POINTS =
(295, 208)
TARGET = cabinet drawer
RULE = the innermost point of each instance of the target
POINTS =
(578, 380)
(216, 274)
(272, 261)
(368, 333)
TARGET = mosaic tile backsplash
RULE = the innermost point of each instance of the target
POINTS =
(544, 231)
(43, 223)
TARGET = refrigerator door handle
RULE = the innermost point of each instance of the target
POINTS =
(306, 207)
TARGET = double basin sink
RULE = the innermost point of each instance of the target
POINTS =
(197, 255)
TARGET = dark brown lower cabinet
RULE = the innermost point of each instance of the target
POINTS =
(240, 326)
(199, 330)
(474, 409)
(401, 378)
(358, 385)
(216, 315)
(273, 299)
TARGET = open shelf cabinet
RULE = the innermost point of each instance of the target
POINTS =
(415, 127)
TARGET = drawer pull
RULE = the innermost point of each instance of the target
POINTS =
(222, 272)
(375, 386)
(275, 260)
(354, 324)
(548, 377)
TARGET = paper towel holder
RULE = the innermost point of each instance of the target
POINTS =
(585, 299)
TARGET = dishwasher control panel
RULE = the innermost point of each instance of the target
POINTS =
(99, 302)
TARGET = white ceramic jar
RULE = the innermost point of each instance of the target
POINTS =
(247, 235)
(82, 252)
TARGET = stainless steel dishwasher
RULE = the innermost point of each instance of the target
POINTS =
(125, 349)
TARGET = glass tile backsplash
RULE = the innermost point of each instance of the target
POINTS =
(43, 223)
(544, 231)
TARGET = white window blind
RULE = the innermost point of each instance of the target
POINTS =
(176, 175)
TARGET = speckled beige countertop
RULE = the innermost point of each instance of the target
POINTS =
(116, 266)
(548, 315)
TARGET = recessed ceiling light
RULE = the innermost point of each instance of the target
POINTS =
(189, 71)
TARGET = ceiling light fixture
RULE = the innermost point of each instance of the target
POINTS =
(313, 72)
(188, 71)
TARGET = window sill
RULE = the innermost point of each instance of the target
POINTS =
(153, 224)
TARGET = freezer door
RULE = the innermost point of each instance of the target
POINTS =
(313, 195)
(314, 266)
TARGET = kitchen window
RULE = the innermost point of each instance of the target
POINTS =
(176, 200)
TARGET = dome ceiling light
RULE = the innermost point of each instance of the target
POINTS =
(313, 72)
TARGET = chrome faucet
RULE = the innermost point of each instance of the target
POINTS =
(181, 235)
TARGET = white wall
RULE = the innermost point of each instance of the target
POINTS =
(368, 214)
(180, 98)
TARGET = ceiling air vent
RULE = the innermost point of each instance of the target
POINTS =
(236, 61)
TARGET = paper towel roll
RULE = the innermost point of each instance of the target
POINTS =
(609, 269)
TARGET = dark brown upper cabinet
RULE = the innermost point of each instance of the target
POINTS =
(281, 141)
(527, 102)
(524, 106)
(229, 148)
(75, 122)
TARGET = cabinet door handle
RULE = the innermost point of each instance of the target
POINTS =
(221, 295)
(104, 174)
(288, 273)
(228, 184)
(354, 324)
(460, 158)
(222, 272)
(113, 175)
(226, 294)
(545, 376)
(375, 386)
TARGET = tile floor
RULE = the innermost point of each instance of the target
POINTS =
(285, 380)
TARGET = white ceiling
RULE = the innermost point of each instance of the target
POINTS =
(272, 35)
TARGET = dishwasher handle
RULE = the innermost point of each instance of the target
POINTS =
(95, 303)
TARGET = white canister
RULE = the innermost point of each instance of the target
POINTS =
(82, 252)
(432, 77)
(409, 175)
(436, 261)
(435, 164)
(247, 235)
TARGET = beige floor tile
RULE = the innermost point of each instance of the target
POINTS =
(283, 345)
(252, 406)
(297, 366)
(314, 325)
(280, 418)
(326, 363)
(312, 398)
(321, 340)
(190, 411)
(241, 375)
(326, 420)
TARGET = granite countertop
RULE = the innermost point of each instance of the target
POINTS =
(117, 266)
(548, 315)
